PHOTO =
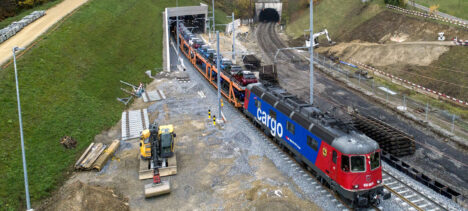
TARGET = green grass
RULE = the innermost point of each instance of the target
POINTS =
(25, 12)
(220, 15)
(68, 85)
(337, 16)
(457, 8)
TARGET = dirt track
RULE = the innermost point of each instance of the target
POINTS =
(27, 36)
(412, 53)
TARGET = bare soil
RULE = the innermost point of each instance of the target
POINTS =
(406, 53)
(387, 24)
(81, 196)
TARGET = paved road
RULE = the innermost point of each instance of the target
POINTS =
(328, 94)
(27, 36)
(437, 12)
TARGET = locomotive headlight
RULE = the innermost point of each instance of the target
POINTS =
(356, 186)
(379, 181)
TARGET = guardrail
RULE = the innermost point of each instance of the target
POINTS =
(428, 15)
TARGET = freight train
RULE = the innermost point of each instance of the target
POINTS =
(342, 158)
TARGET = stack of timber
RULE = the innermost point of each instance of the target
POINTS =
(101, 161)
(390, 139)
(96, 155)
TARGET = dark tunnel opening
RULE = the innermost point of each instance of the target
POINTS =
(269, 15)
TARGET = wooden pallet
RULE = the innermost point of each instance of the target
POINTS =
(147, 173)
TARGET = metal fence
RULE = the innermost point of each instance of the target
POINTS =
(412, 107)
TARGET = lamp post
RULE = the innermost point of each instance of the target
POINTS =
(311, 52)
(233, 38)
(218, 76)
(213, 8)
(178, 41)
(26, 185)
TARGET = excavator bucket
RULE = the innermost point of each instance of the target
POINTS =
(158, 187)
(153, 189)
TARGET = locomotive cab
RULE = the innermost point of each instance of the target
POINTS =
(358, 171)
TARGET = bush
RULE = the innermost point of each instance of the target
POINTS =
(7, 8)
(10, 8)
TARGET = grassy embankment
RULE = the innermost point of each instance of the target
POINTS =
(68, 84)
(25, 12)
(340, 17)
(334, 15)
(457, 8)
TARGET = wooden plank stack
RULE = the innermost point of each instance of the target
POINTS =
(91, 154)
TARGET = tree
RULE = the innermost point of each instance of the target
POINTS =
(7, 8)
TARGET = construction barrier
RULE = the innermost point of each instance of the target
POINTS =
(424, 89)
(428, 15)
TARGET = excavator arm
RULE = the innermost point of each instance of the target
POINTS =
(318, 34)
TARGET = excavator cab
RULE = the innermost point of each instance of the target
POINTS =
(167, 135)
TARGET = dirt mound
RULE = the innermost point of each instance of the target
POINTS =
(387, 54)
(80, 196)
(387, 25)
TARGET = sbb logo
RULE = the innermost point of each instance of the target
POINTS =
(275, 128)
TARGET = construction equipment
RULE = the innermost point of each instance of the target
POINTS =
(441, 36)
(137, 91)
(157, 145)
(315, 43)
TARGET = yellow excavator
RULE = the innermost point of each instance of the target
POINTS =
(157, 145)
(160, 138)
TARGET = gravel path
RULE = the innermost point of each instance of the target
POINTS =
(27, 35)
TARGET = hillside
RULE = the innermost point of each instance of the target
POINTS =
(336, 16)
(68, 85)
(365, 31)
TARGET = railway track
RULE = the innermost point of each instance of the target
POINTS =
(270, 44)
(288, 158)
(309, 176)
(409, 195)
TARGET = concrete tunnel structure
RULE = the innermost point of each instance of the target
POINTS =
(184, 13)
(268, 10)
